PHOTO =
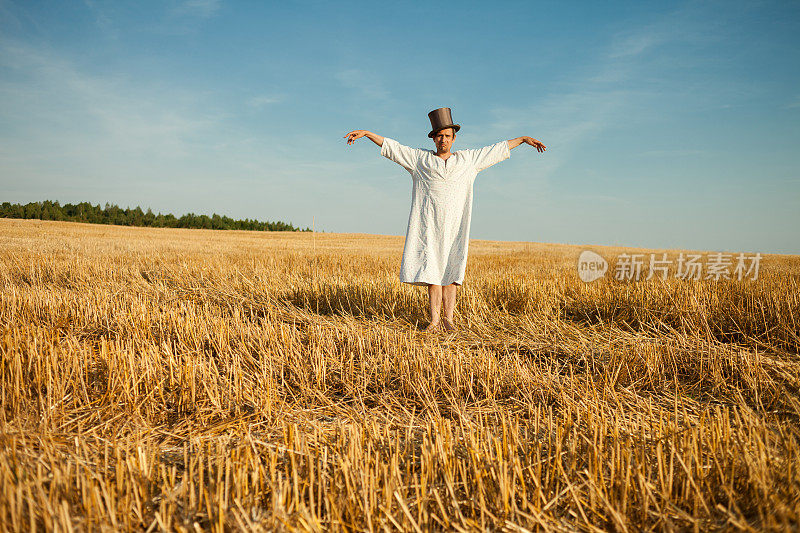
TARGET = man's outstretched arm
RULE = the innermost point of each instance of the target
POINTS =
(513, 143)
(357, 134)
(390, 149)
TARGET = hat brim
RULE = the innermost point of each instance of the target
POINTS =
(455, 127)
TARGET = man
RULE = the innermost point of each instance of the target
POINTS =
(437, 238)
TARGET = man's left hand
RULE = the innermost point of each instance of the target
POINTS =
(535, 143)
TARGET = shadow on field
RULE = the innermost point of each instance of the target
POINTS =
(368, 299)
(763, 314)
(760, 314)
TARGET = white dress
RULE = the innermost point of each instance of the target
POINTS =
(437, 237)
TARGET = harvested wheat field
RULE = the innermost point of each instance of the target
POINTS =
(157, 379)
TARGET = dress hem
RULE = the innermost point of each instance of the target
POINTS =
(459, 283)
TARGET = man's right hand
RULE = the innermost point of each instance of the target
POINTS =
(353, 135)
(357, 134)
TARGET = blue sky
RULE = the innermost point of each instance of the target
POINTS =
(668, 125)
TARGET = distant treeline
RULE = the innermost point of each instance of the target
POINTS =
(112, 214)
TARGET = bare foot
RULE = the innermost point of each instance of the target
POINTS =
(433, 326)
(449, 326)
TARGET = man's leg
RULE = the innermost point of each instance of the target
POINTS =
(435, 305)
(449, 295)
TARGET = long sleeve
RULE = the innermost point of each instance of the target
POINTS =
(487, 156)
(402, 155)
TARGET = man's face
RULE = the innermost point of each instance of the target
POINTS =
(444, 139)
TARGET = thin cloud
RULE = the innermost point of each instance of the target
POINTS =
(582, 110)
(101, 18)
(68, 130)
(70, 134)
(17, 16)
(198, 8)
(259, 102)
(186, 18)
(63, 105)
(183, 18)
(563, 121)
(671, 153)
(366, 84)
(635, 44)
(8, 15)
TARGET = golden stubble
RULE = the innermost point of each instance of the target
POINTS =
(157, 379)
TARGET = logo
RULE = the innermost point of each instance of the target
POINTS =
(717, 266)
(591, 266)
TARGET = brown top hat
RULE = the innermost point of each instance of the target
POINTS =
(441, 119)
